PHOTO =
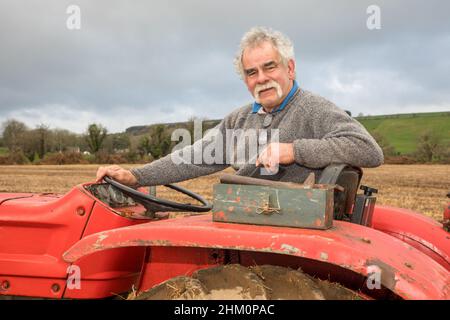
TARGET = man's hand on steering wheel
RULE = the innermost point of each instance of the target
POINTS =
(118, 173)
(124, 181)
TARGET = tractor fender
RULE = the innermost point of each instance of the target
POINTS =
(416, 229)
(404, 270)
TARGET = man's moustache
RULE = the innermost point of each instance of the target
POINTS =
(270, 85)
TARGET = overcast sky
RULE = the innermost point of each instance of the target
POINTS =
(143, 62)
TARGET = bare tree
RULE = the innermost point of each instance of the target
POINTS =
(13, 132)
(429, 146)
(43, 136)
(62, 139)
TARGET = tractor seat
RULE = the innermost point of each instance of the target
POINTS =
(347, 177)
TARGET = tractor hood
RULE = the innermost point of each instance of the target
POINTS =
(11, 196)
(29, 198)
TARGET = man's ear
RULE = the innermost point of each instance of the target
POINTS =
(291, 69)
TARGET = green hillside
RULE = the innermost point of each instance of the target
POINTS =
(403, 130)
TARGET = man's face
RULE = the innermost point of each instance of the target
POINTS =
(267, 78)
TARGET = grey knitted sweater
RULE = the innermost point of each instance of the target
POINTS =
(321, 133)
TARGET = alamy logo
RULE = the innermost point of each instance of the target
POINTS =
(373, 277)
(74, 277)
(374, 19)
(229, 146)
(73, 22)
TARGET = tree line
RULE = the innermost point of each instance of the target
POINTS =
(20, 144)
(43, 145)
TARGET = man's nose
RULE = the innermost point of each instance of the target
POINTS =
(262, 77)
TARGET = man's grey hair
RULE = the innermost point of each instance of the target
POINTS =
(258, 35)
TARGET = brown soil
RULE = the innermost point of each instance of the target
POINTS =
(236, 282)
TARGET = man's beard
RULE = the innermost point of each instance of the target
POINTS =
(270, 84)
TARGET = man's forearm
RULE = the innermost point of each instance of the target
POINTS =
(166, 171)
(183, 164)
(318, 153)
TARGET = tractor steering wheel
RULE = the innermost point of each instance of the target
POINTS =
(155, 204)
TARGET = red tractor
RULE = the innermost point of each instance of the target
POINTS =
(104, 239)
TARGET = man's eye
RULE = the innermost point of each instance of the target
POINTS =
(251, 73)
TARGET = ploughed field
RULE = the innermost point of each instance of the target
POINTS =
(422, 188)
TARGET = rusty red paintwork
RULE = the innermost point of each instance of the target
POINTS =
(421, 232)
(414, 274)
(37, 229)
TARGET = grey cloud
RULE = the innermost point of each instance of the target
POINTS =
(140, 62)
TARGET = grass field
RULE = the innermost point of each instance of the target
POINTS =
(421, 188)
(403, 131)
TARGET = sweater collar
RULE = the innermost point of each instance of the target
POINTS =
(257, 108)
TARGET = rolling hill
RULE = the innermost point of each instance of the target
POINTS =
(402, 131)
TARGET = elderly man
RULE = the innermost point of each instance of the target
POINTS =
(312, 132)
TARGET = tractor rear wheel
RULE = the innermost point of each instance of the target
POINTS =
(236, 282)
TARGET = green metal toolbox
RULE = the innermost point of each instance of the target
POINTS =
(275, 204)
